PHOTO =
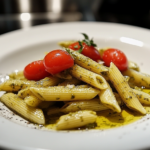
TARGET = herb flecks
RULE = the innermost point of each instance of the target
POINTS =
(69, 52)
(81, 47)
(88, 41)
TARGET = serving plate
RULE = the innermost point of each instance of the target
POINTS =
(23, 46)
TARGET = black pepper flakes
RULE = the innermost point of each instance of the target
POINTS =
(72, 96)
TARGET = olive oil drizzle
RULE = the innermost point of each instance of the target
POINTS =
(108, 119)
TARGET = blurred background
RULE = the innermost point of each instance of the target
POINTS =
(17, 14)
(22, 14)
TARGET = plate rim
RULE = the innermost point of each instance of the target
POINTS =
(42, 27)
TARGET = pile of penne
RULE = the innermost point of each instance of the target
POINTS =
(76, 97)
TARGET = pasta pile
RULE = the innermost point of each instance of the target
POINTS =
(88, 88)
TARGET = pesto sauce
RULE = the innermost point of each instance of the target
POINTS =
(108, 119)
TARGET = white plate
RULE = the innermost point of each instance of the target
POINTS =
(21, 47)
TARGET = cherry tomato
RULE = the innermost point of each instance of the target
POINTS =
(57, 61)
(35, 71)
(89, 51)
(117, 57)
(75, 46)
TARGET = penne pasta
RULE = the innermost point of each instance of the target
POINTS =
(29, 97)
(65, 43)
(17, 75)
(15, 85)
(64, 93)
(48, 81)
(17, 104)
(32, 101)
(89, 77)
(76, 119)
(118, 98)
(25, 92)
(143, 97)
(108, 99)
(133, 65)
(125, 92)
(86, 62)
(138, 78)
(93, 104)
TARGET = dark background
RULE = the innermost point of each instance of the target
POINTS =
(132, 12)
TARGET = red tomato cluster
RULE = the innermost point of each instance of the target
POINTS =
(89, 51)
(54, 62)
(58, 60)
(110, 55)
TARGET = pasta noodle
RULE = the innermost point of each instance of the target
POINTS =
(133, 65)
(32, 101)
(124, 90)
(89, 77)
(17, 75)
(143, 97)
(65, 43)
(87, 63)
(48, 81)
(15, 85)
(108, 99)
(77, 119)
(17, 104)
(93, 104)
(138, 78)
(64, 94)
